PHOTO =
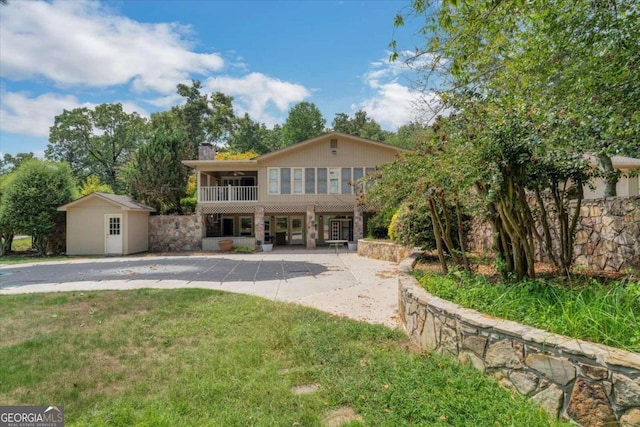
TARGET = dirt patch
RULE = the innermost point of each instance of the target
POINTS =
(306, 388)
(339, 416)
(387, 274)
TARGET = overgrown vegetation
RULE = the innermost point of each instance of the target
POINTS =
(584, 308)
(198, 357)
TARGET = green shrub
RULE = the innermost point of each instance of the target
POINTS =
(188, 204)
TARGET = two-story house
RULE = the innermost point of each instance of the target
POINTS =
(304, 194)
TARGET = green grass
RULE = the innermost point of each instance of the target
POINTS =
(22, 244)
(582, 308)
(199, 357)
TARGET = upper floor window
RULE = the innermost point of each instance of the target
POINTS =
(274, 181)
(334, 180)
(298, 183)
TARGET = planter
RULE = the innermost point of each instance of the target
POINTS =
(352, 246)
(225, 245)
(267, 247)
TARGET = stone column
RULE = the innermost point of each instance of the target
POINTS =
(259, 224)
(358, 224)
(311, 227)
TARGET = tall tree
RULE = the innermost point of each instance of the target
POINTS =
(203, 117)
(249, 135)
(29, 204)
(96, 142)
(360, 125)
(160, 187)
(10, 163)
(304, 121)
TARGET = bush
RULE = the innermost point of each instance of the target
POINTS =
(378, 225)
(411, 226)
(188, 204)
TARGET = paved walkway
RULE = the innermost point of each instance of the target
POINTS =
(345, 284)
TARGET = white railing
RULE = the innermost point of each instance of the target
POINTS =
(228, 194)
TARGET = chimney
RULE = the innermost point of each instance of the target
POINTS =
(206, 151)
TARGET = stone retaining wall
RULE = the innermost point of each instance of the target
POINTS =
(175, 233)
(384, 250)
(594, 385)
(607, 236)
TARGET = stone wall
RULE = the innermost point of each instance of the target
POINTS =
(384, 250)
(175, 233)
(607, 236)
(592, 384)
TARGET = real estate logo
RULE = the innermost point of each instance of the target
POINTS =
(31, 416)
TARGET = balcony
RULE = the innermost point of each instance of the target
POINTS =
(228, 194)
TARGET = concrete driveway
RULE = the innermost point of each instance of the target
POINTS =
(343, 284)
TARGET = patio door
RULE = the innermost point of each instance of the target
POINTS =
(297, 230)
(113, 231)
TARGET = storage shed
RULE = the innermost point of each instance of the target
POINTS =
(106, 224)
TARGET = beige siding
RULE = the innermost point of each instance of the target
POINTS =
(136, 232)
(624, 188)
(349, 154)
(86, 228)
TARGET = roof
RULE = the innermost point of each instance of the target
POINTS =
(324, 136)
(126, 203)
(617, 161)
(253, 163)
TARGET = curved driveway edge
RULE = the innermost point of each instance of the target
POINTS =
(346, 284)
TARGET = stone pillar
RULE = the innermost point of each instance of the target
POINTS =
(312, 227)
(259, 224)
(358, 224)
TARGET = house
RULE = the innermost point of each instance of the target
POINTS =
(106, 224)
(626, 186)
(303, 194)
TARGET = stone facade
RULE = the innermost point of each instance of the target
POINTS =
(607, 237)
(592, 384)
(175, 233)
(384, 250)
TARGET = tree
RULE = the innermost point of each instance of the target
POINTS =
(360, 125)
(413, 134)
(249, 135)
(204, 118)
(96, 142)
(162, 187)
(304, 121)
(93, 185)
(32, 197)
(10, 163)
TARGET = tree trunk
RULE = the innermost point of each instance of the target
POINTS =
(438, 235)
(611, 175)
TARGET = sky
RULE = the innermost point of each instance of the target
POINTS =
(268, 55)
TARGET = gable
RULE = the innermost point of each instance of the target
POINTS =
(331, 150)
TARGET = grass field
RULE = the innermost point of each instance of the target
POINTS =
(197, 357)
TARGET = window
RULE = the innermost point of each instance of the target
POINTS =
(298, 183)
(346, 180)
(322, 180)
(285, 180)
(310, 180)
(246, 226)
(357, 174)
(274, 183)
(334, 143)
(334, 180)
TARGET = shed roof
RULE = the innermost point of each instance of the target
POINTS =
(126, 203)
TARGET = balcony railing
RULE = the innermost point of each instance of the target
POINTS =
(228, 194)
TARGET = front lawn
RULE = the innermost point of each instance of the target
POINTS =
(199, 357)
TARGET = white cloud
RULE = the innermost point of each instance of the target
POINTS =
(34, 116)
(393, 103)
(255, 93)
(83, 43)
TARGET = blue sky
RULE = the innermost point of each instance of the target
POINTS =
(268, 55)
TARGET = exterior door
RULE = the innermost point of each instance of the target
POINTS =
(113, 231)
(297, 230)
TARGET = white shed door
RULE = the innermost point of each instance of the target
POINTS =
(113, 231)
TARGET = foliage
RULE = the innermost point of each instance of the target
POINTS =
(304, 121)
(413, 134)
(582, 308)
(29, 204)
(188, 204)
(230, 155)
(360, 125)
(378, 224)
(249, 135)
(203, 118)
(262, 349)
(93, 185)
(9, 163)
(96, 141)
(163, 188)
